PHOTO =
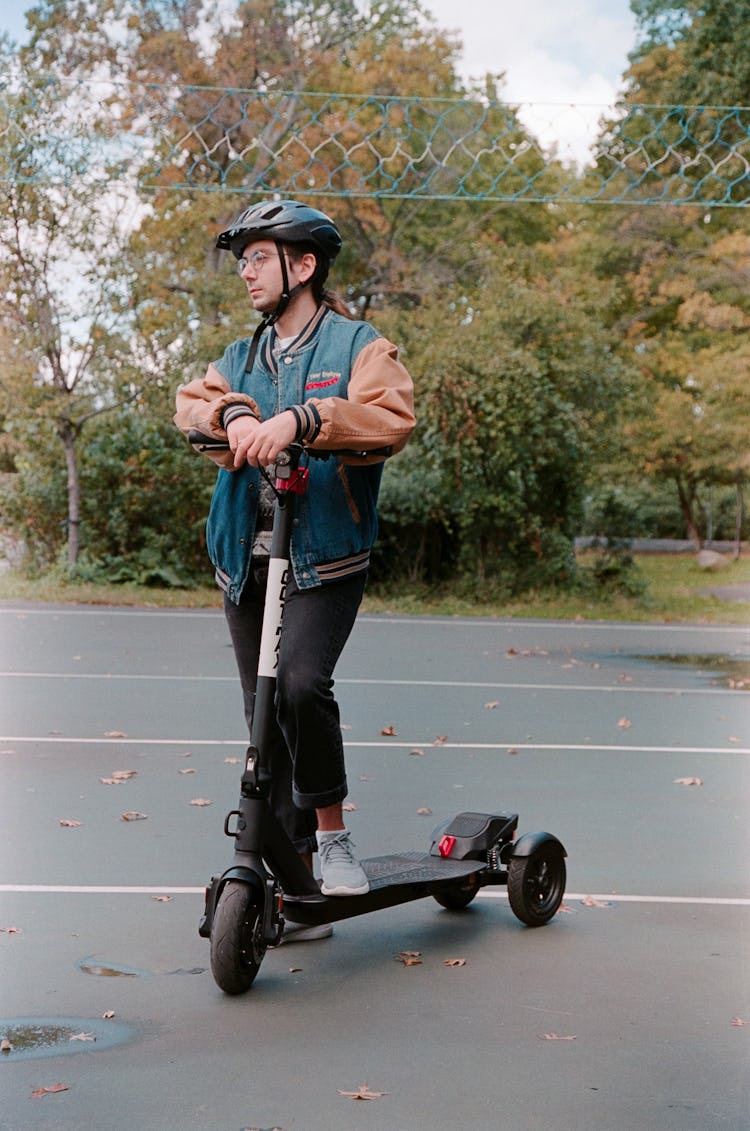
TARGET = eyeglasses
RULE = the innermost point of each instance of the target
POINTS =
(255, 259)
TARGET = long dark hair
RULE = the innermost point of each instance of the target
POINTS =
(321, 293)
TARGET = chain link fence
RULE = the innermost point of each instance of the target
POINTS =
(298, 143)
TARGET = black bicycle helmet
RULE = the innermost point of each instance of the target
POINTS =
(284, 221)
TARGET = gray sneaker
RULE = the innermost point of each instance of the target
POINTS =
(340, 871)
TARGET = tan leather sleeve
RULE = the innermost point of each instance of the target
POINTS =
(379, 409)
(200, 404)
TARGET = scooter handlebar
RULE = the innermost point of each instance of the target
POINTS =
(206, 443)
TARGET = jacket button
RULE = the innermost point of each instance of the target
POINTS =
(242, 541)
(287, 361)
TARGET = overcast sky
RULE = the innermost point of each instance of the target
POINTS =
(550, 51)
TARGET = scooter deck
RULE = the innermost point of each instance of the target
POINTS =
(415, 867)
(394, 879)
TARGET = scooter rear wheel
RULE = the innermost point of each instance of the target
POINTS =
(536, 885)
(237, 947)
(457, 898)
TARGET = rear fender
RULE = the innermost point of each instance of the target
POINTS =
(528, 844)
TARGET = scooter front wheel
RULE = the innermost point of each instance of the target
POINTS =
(237, 947)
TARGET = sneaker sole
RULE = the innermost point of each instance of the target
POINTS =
(343, 890)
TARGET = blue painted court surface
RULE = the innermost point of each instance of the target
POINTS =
(629, 1012)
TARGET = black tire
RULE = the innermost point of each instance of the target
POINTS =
(456, 898)
(536, 885)
(237, 948)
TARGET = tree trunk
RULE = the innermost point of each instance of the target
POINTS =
(686, 494)
(68, 437)
(739, 520)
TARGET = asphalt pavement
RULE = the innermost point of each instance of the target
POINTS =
(629, 1012)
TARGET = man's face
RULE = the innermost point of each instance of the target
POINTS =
(260, 270)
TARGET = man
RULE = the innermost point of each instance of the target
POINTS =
(310, 373)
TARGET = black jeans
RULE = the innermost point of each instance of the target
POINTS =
(306, 749)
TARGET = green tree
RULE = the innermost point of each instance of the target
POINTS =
(515, 404)
(63, 308)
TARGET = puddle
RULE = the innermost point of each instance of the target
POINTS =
(728, 671)
(111, 970)
(29, 1038)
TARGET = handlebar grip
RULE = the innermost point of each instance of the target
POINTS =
(206, 443)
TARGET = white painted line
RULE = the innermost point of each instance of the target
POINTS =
(102, 889)
(693, 900)
(386, 621)
(619, 688)
(417, 743)
(95, 889)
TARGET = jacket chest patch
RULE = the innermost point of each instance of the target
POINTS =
(322, 381)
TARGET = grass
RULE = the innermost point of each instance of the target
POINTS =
(675, 591)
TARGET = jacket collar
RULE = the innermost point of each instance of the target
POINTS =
(302, 339)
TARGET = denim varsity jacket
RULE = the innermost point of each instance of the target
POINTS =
(349, 391)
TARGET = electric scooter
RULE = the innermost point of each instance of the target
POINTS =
(267, 883)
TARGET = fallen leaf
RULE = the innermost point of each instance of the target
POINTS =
(82, 1037)
(295, 969)
(362, 1093)
(556, 1037)
(124, 775)
(49, 1089)
(108, 1015)
(66, 823)
(440, 740)
(115, 734)
(7, 751)
(424, 812)
(389, 730)
(733, 738)
(6, 1046)
(232, 761)
(190, 770)
(512, 750)
(416, 751)
(161, 898)
(624, 724)
(200, 801)
(350, 807)
(738, 1022)
(688, 781)
(10, 931)
(409, 957)
(132, 815)
(491, 706)
(589, 901)
(112, 781)
(454, 962)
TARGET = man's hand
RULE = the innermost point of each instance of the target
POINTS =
(256, 443)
